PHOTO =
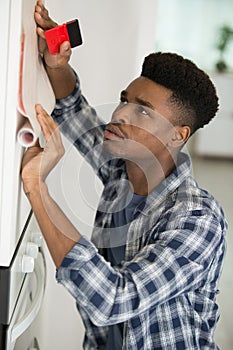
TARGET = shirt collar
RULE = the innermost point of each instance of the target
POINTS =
(169, 186)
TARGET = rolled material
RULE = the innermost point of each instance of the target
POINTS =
(26, 136)
(34, 84)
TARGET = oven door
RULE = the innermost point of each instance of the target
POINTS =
(21, 332)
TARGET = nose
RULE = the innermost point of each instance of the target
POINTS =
(122, 114)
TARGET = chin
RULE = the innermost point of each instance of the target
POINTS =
(115, 149)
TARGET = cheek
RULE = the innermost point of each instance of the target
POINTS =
(153, 136)
(144, 134)
(154, 143)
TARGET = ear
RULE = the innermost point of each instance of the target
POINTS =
(180, 136)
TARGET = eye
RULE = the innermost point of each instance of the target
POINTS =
(142, 110)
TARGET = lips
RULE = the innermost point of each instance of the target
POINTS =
(113, 132)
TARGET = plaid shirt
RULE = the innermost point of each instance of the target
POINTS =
(165, 289)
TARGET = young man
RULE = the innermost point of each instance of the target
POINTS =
(148, 280)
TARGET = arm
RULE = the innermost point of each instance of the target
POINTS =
(62, 79)
(77, 120)
(177, 261)
(58, 231)
(60, 73)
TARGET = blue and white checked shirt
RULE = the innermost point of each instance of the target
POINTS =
(165, 289)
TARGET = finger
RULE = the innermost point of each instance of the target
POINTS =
(48, 126)
(39, 3)
(65, 50)
(44, 127)
(45, 116)
(39, 20)
(38, 14)
(42, 18)
(45, 23)
(40, 32)
(42, 117)
(39, 109)
(50, 131)
(45, 12)
(38, 6)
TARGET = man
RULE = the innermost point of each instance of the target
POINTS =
(152, 283)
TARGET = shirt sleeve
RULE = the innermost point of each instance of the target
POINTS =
(175, 261)
(81, 125)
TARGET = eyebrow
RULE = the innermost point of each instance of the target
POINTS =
(138, 100)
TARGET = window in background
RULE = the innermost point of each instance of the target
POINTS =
(191, 28)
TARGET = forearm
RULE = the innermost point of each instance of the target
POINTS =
(59, 233)
(63, 80)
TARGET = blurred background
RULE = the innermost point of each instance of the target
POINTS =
(117, 35)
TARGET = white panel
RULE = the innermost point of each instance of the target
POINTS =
(4, 18)
(14, 205)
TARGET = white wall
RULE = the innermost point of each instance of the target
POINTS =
(117, 35)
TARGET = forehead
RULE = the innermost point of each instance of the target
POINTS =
(147, 90)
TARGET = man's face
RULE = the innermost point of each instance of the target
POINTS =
(141, 126)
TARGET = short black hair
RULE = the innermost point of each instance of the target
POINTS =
(193, 93)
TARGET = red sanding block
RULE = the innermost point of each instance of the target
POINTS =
(69, 31)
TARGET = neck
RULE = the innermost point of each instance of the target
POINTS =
(145, 178)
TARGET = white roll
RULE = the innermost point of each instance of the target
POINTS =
(34, 84)
(26, 135)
